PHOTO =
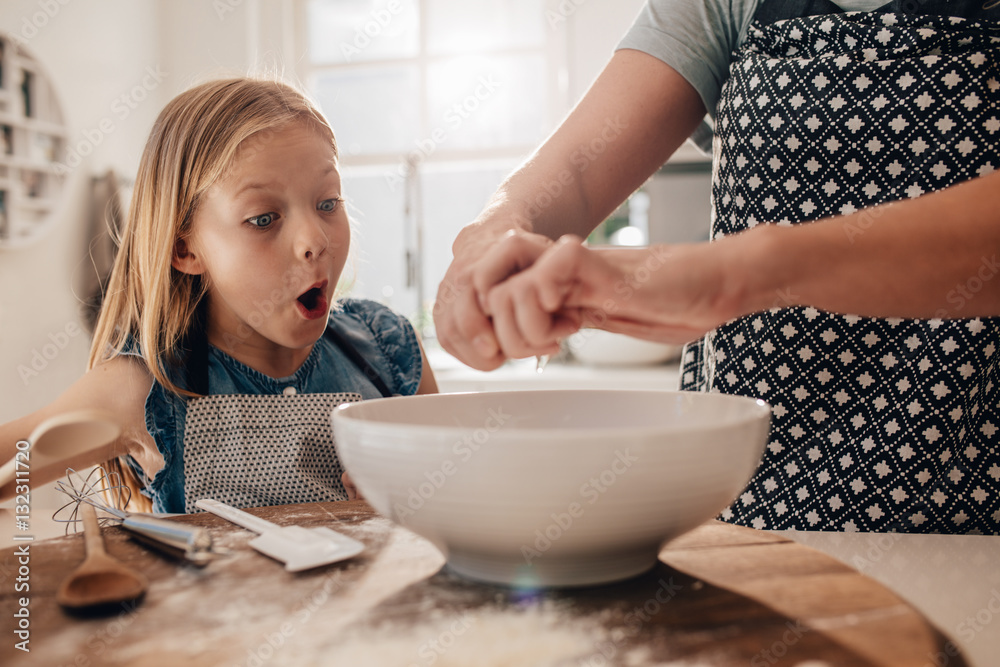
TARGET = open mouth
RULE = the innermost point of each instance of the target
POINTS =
(311, 298)
(313, 301)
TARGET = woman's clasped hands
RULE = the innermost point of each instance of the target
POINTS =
(535, 292)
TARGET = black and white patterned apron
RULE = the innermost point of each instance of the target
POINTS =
(878, 424)
(250, 450)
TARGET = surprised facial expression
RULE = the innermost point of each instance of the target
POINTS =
(271, 239)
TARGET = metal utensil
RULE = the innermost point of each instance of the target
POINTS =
(191, 543)
(100, 579)
(541, 360)
(299, 548)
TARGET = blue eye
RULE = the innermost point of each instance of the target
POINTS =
(328, 205)
(262, 221)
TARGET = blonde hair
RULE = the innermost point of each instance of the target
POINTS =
(148, 303)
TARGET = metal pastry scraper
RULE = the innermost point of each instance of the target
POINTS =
(299, 548)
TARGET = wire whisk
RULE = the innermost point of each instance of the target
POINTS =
(110, 496)
(103, 490)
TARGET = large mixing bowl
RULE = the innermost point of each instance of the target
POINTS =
(551, 488)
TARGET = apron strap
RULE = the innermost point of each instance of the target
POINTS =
(359, 361)
(772, 11)
(196, 362)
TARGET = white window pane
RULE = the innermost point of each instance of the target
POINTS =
(453, 195)
(462, 26)
(378, 246)
(372, 109)
(488, 101)
(346, 31)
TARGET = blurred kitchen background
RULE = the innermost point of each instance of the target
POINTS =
(432, 101)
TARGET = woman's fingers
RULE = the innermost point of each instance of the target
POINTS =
(460, 324)
(525, 322)
(557, 271)
(522, 328)
(461, 311)
(514, 252)
(634, 291)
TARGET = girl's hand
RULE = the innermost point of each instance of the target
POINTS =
(352, 491)
(671, 294)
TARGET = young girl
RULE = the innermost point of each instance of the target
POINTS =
(219, 347)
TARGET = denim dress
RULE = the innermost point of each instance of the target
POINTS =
(254, 440)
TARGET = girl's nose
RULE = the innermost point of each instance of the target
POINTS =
(312, 240)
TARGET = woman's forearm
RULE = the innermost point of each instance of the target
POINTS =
(936, 256)
(636, 114)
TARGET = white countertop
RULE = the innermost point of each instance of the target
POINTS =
(954, 580)
(453, 376)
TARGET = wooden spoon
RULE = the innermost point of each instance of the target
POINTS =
(66, 440)
(100, 579)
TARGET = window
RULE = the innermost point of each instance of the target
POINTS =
(433, 102)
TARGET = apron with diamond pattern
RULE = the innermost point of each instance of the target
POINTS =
(878, 424)
(250, 450)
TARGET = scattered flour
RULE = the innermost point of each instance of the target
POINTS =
(490, 637)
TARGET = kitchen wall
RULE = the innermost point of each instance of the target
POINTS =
(114, 64)
(95, 53)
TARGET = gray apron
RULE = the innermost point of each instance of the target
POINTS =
(250, 450)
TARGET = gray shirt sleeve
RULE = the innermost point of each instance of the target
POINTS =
(695, 37)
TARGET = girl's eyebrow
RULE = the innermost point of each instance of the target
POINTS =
(253, 185)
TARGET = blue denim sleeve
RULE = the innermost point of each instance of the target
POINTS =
(165, 414)
(386, 339)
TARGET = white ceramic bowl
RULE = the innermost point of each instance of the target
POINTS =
(596, 347)
(551, 488)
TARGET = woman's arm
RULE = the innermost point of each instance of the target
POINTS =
(936, 256)
(117, 387)
(633, 118)
(931, 257)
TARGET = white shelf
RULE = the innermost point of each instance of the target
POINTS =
(45, 127)
(32, 129)
(37, 204)
(29, 164)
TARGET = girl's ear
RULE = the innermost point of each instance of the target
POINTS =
(184, 260)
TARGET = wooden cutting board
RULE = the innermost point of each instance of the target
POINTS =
(721, 595)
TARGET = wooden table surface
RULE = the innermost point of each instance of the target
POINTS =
(721, 595)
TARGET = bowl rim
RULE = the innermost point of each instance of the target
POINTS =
(759, 410)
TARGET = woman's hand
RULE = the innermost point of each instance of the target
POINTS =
(482, 260)
(672, 294)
